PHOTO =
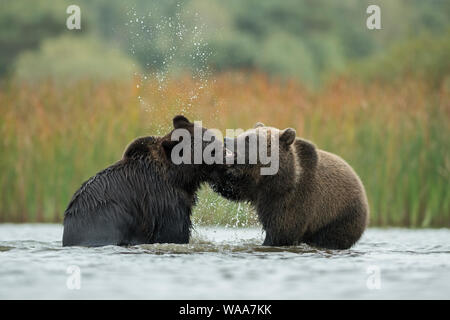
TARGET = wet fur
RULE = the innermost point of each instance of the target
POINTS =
(315, 197)
(143, 198)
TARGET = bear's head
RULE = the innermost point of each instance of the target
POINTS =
(265, 159)
(189, 143)
(190, 153)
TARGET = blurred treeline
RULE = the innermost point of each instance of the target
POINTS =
(305, 39)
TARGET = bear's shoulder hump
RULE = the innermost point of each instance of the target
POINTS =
(139, 147)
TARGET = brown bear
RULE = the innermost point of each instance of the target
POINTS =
(315, 197)
(143, 198)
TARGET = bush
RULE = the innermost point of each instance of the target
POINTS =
(24, 24)
(425, 58)
(71, 58)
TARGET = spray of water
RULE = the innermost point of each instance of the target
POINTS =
(170, 48)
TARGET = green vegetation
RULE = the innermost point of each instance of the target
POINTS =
(92, 61)
(396, 136)
(70, 101)
(426, 58)
(292, 38)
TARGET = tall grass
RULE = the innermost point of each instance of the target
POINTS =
(397, 137)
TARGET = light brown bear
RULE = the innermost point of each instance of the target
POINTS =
(315, 197)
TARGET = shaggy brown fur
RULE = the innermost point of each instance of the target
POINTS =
(315, 197)
(143, 198)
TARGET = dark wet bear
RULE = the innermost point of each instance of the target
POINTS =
(143, 198)
(314, 198)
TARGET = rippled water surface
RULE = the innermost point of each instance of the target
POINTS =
(224, 263)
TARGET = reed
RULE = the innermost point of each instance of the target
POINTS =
(397, 137)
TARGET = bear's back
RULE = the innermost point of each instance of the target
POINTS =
(123, 204)
(124, 180)
(336, 188)
(333, 172)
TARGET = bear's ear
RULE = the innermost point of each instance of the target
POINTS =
(287, 136)
(259, 125)
(181, 122)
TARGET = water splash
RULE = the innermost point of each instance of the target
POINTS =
(169, 47)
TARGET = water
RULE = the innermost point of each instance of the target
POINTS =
(224, 263)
